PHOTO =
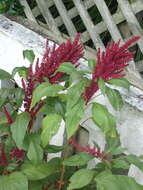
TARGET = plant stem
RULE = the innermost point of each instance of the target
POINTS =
(61, 182)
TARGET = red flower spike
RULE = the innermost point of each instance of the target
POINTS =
(17, 154)
(92, 151)
(129, 42)
(28, 86)
(66, 52)
(90, 90)
(52, 59)
(110, 65)
(23, 83)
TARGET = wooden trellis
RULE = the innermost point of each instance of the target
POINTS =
(126, 12)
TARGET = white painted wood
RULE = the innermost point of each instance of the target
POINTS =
(49, 3)
(107, 17)
(132, 20)
(89, 24)
(36, 11)
(72, 12)
(117, 18)
(47, 16)
(136, 173)
(27, 10)
(65, 17)
(100, 27)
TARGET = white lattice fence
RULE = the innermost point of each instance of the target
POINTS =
(126, 13)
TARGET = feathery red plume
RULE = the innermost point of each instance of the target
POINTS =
(52, 59)
(110, 64)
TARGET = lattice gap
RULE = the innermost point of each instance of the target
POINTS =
(79, 25)
(54, 11)
(96, 18)
(106, 37)
(112, 6)
(63, 29)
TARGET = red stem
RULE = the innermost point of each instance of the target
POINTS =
(8, 117)
(3, 158)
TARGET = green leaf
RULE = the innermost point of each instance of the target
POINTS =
(3, 120)
(67, 67)
(35, 185)
(133, 159)
(60, 107)
(19, 127)
(22, 71)
(54, 105)
(45, 89)
(53, 148)
(73, 117)
(35, 152)
(102, 86)
(120, 163)
(75, 76)
(74, 94)
(5, 6)
(104, 120)
(75, 107)
(79, 159)
(29, 54)
(80, 179)
(114, 98)
(4, 75)
(14, 95)
(34, 137)
(4, 94)
(122, 82)
(14, 181)
(9, 144)
(18, 96)
(116, 182)
(91, 64)
(41, 170)
(50, 126)
(113, 146)
(11, 166)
